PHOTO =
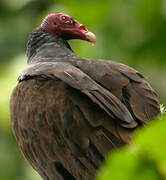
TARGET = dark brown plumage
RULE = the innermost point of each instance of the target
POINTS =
(68, 112)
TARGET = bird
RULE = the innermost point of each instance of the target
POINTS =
(68, 112)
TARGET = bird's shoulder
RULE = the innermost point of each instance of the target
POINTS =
(126, 83)
(122, 81)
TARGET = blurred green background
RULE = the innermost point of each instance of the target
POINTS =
(132, 32)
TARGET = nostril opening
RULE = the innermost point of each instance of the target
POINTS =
(82, 27)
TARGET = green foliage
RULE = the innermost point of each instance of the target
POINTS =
(8, 80)
(13, 166)
(144, 158)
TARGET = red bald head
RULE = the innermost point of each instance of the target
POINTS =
(66, 27)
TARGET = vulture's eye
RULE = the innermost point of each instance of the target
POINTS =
(64, 18)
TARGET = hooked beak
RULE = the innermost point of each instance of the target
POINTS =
(89, 36)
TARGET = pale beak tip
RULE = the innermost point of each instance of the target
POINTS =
(91, 37)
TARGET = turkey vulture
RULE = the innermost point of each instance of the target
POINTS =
(68, 112)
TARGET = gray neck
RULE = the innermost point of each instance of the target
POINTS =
(43, 46)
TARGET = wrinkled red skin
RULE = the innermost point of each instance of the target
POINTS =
(64, 26)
